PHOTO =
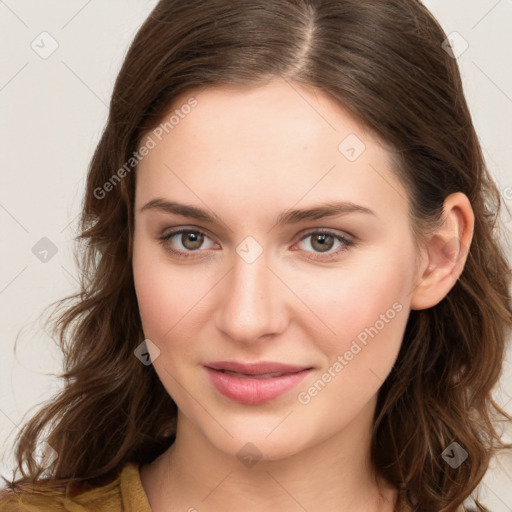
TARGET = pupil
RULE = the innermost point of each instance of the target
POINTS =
(192, 240)
(323, 244)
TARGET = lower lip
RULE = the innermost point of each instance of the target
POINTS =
(254, 391)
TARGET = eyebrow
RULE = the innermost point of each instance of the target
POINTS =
(291, 216)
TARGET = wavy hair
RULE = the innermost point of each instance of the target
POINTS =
(385, 63)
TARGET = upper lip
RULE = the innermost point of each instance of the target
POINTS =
(258, 368)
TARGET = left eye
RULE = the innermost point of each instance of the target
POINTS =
(324, 241)
(192, 240)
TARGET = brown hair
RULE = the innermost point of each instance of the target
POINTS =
(384, 62)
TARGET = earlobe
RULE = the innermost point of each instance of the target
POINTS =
(446, 253)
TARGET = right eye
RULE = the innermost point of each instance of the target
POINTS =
(183, 242)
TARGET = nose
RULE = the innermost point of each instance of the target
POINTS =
(251, 302)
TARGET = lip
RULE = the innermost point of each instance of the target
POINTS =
(257, 368)
(254, 383)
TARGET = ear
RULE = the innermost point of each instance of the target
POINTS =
(445, 254)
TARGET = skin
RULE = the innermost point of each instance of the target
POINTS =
(246, 155)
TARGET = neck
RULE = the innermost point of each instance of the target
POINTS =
(333, 475)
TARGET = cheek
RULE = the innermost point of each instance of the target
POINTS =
(162, 293)
(166, 297)
(367, 309)
(364, 300)
(166, 292)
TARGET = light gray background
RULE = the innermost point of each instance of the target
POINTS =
(52, 111)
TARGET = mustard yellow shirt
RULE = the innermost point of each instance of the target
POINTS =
(124, 494)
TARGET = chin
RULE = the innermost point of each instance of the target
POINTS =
(265, 440)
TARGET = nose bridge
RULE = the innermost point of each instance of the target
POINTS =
(248, 307)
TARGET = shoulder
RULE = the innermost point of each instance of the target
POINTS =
(125, 493)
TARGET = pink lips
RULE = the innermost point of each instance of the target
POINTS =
(254, 383)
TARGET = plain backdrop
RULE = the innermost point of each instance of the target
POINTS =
(52, 110)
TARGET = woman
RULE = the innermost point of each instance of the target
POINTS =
(290, 265)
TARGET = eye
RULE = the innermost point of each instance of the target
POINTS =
(322, 241)
(187, 240)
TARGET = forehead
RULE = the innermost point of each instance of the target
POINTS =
(275, 144)
(280, 113)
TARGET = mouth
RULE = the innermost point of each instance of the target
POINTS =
(254, 376)
(254, 383)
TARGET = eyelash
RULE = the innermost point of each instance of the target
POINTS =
(346, 243)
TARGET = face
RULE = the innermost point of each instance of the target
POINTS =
(248, 281)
